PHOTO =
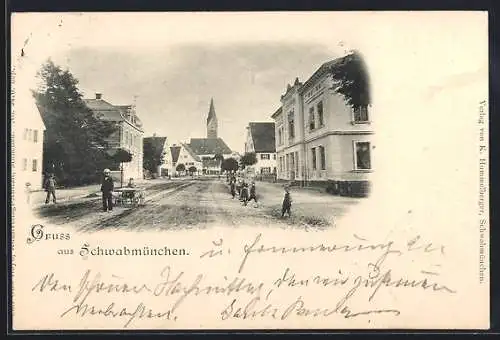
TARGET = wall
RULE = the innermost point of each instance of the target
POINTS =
(132, 139)
(29, 150)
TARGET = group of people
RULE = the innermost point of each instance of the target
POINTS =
(240, 186)
(245, 194)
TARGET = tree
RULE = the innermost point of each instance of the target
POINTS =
(219, 158)
(153, 156)
(229, 164)
(353, 80)
(192, 169)
(249, 158)
(180, 168)
(75, 140)
(121, 156)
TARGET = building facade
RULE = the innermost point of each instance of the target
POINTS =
(128, 136)
(320, 139)
(188, 158)
(28, 133)
(261, 141)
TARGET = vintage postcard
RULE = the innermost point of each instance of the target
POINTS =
(232, 170)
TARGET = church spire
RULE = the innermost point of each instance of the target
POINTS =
(211, 121)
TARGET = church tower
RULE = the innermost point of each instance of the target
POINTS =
(211, 121)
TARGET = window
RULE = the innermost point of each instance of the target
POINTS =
(25, 162)
(313, 153)
(362, 156)
(265, 170)
(291, 125)
(297, 162)
(35, 165)
(311, 119)
(322, 157)
(265, 156)
(280, 135)
(274, 156)
(361, 114)
(30, 132)
(35, 136)
(319, 108)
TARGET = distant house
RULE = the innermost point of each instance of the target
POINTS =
(261, 141)
(159, 146)
(185, 156)
(28, 131)
(207, 148)
(129, 135)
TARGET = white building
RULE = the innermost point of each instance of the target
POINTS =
(28, 132)
(321, 140)
(183, 154)
(261, 141)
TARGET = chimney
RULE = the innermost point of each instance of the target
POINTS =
(98, 96)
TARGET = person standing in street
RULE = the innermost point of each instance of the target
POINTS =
(233, 187)
(244, 193)
(50, 188)
(253, 195)
(107, 187)
(287, 203)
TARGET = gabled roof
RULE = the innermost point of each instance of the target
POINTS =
(158, 144)
(110, 112)
(175, 151)
(277, 112)
(321, 71)
(191, 152)
(104, 110)
(206, 146)
(263, 136)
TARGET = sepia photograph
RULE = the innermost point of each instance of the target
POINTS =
(291, 170)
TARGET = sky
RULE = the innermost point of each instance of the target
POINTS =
(173, 64)
(176, 62)
(174, 86)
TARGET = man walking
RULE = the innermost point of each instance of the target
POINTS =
(287, 203)
(107, 187)
(50, 188)
(253, 195)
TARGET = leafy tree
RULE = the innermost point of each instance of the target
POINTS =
(121, 156)
(180, 167)
(152, 157)
(75, 140)
(353, 79)
(229, 164)
(192, 169)
(249, 158)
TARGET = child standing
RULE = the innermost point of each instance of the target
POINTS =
(287, 203)
(233, 187)
(253, 195)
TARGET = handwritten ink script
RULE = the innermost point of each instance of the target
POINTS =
(353, 281)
